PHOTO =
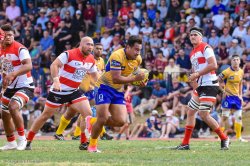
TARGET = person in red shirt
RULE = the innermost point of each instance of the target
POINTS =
(124, 11)
(89, 16)
(55, 19)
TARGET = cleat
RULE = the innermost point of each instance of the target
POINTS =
(88, 126)
(9, 146)
(21, 145)
(59, 137)
(242, 140)
(106, 136)
(28, 146)
(93, 149)
(75, 138)
(225, 144)
(84, 146)
(181, 147)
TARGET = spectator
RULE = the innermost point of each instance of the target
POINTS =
(97, 38)
(174, 9)
(42, 19)
(213, 41)
(246, 41)
(235, 49)
(241, 7)
(136, 11)
(77, 24)
(106, 41)
(151, 11)
(32, 9)
(225, 37)
(124, 11)
(223, 54)
(110, 20)
(13, 12)
(67, 7)
(218, 19)
(169, 32)
(198, 5)
(47, 45)
(38, 33)
(118, 30)
(27, 39)
(159, 29)
(208, 28)
(89, 16)
(218, 5)
(165, 49)
(183, 60)
(55, 18)
(163, 9)
(195, 17)
(240, 30)
(50, 28)
(171, 69)
(133, 29)
(147, 31)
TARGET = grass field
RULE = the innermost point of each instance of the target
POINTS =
(136, 152)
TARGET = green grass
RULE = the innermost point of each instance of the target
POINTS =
(128, 153)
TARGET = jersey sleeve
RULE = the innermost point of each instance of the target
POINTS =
(208, 52)
(224, 74)
(115, 62)
(24, 54)
(64, 57)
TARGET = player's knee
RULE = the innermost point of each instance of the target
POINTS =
(238, 116)
(102, 120)
(13, 106)
(204, 115)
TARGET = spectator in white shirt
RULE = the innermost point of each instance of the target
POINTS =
(133, 29)
(13, 11)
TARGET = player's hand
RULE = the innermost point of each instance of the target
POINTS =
(56, 84)
(8, 79)
(193, 76)
(139, 77)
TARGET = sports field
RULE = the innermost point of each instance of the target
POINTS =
(135, 152)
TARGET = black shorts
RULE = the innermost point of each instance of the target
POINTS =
(56, 100)
(207, 93)
(25, 93)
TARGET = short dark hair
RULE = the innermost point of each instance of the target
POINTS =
(197, 29)
(235, 56)
(98, 44)
(134, 39)
(7, 27)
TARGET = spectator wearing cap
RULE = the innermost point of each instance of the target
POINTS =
(136, 11)
(133, 29)
(195, 17)
(163, 9)
(13, 11)
(169, 33)
(240, 30)
(89, 16)
(67, 7)
(218, 5)
(208, 28)
(213, 41)
(32, 9)
(42, 19)
(235, 49)
(225, 37)
(110, 20)
(159, 29)
(77, 24)
(124, 11)
(246, 41)
(118, 30)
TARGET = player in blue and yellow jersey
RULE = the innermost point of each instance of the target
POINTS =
(110, 102)
(232, 98)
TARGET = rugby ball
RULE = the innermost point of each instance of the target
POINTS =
(144, 81)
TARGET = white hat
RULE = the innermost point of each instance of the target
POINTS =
(78, 12)
(152, 118)
(154, 112)
(235, 41)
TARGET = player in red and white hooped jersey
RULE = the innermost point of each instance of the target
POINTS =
(206, 88)
(17, 85)
(67, 72)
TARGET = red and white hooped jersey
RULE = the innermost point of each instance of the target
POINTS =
(75, 67)
(198, 58)
(11, 58)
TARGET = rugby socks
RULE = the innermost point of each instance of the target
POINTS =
(93, 142)
(220, 134)
(83, 138)
(11, 138)
(62, 126)
(237, 129)
(31, 136)
(77, 131)
(21, 135)
(92, 121)
(187, 136)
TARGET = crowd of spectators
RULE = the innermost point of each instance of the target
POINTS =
(48, 27)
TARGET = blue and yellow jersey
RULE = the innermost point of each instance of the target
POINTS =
(232, 80)
(88, 83)
(118, 61)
